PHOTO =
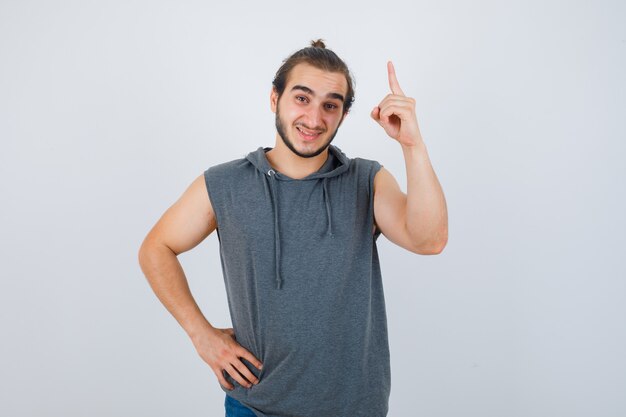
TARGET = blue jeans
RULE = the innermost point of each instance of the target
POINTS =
(236, 409)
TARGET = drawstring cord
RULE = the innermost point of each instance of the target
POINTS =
(271, 173)
(327, 201)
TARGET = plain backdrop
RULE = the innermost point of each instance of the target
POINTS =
(109, 110)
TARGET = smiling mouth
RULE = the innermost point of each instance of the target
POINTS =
(308, 134)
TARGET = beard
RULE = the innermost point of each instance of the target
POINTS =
(280, 128)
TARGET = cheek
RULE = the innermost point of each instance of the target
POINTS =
(335, 120)
(290, 115)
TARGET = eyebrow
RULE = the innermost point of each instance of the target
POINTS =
(311, 92)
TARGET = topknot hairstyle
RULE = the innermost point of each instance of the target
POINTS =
(318, 56)
(318, 44)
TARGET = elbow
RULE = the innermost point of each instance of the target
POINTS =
(441, 241)
(152, 249)
(143, 253)
(146, 252)
(438, 248)
(431, 247)
(440, 244)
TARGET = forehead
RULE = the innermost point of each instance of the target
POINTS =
(318, 80)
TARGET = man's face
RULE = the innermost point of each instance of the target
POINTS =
(310, 109)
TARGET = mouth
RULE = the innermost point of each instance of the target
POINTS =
(308, 135)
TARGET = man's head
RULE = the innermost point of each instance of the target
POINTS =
(311, 95)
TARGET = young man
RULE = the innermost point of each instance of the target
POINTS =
(297, 226)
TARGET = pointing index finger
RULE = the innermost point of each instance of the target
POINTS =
(393, 81)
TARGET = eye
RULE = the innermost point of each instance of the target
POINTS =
(331, 106)
(301, 97)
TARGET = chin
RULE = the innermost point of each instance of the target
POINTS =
(310, 153)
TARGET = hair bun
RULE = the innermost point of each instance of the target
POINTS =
(318, 44)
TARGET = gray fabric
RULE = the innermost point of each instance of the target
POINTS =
(304, 287)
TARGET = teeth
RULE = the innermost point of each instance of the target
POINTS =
(307, 133)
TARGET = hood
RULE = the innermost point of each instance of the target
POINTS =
(336, 164)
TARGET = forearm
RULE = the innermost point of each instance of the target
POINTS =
(167, 279)
(426, 211)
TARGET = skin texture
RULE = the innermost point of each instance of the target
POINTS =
(416, 221)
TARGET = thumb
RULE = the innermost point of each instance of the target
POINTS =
(375, 114)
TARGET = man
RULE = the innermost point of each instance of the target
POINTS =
(297, 226)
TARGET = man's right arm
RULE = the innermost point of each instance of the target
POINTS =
(182, 227)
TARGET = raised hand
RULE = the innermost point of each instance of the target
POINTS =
(396, 113)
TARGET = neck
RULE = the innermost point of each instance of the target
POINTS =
(283, 160)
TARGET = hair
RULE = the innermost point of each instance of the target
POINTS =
(318, 56)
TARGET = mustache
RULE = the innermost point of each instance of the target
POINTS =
(319, 130)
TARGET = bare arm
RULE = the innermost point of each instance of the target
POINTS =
(418, 220)
(182, 227)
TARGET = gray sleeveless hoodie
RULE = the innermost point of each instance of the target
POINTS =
(304, 287)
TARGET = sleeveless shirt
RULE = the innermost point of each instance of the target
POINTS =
(304, 285)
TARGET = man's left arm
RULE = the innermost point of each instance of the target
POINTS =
(418, 220)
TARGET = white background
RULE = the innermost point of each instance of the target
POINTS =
(109, 109)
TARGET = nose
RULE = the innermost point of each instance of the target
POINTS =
(314, 118)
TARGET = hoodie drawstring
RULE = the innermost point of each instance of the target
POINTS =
(327, 201)
(271, 173)
(339, 164)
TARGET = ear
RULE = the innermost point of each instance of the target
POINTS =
(273, 99)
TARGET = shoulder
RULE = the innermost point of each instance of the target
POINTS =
(225, 176)
(364, 163)
(358, 163)
(366, 168)
(229, 172)
(373, 171)
(229, 167)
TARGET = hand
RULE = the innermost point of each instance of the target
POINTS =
(220, 350)
(396, 113)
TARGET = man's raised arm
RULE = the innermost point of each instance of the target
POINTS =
(418, 220)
